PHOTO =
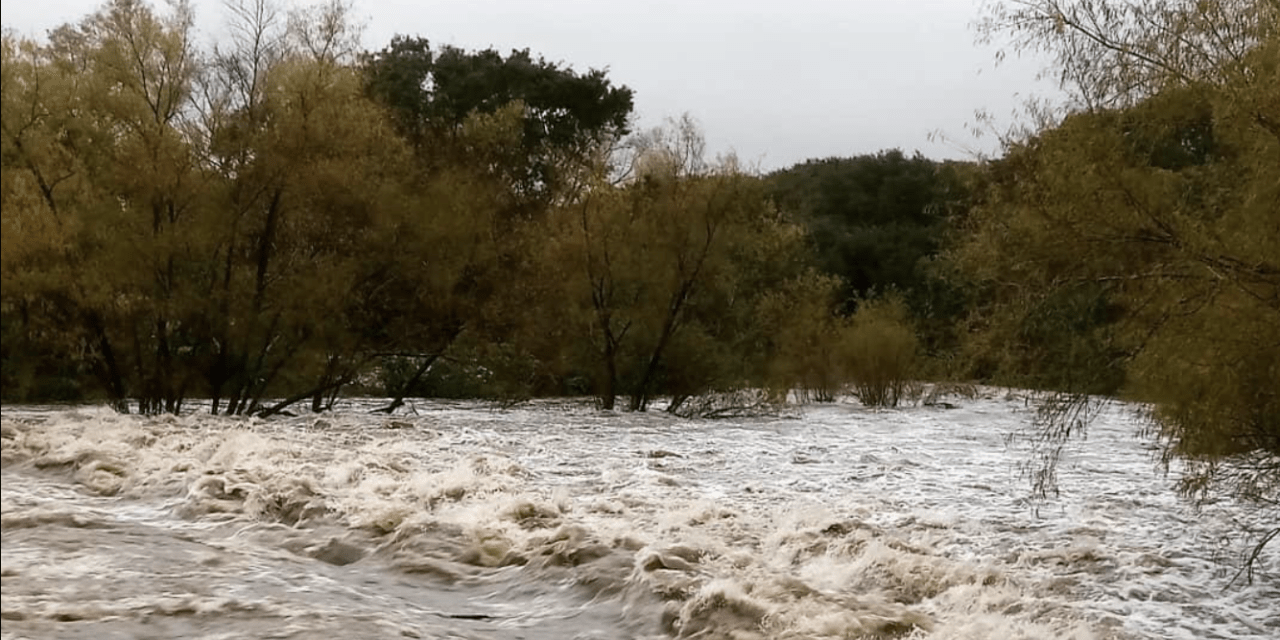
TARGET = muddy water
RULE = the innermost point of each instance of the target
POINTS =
(557, 521)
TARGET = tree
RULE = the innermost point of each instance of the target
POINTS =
(249, 223)
(658, 271)
(308, 176)
(203, 225)
(1157, 197)
(1117, 54)
(526, 134)
(877, 222)
(871, 218)
(802, 334)
(452, 260)
(96, 122)
(881, 347)
(566, 116)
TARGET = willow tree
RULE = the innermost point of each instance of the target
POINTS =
(310, 178)
(200, 224)
(96, 129)
(1157, 194)
(658, 276)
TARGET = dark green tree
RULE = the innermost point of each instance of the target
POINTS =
(876, 222)
(567, 116)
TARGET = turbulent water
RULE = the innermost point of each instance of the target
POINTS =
(554, 520)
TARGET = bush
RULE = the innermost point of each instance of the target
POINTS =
(880, 348)
(803, 338)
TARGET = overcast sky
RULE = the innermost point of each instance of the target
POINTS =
(777, 81)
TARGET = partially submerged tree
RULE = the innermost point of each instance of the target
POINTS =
(525, 134)
(98, 164)
(306, 170)
(662, 273)
(801, 332)
(219, 225)
(1157, 200)
(881, 348)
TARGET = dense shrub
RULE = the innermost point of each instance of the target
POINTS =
(881, 349)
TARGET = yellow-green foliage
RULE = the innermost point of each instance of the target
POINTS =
(659, 275)
(880, 349)
(1159, 196)
(220, 225)
(804, 338)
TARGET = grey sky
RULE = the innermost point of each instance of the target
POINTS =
(778, 82)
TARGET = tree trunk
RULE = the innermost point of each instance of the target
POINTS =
(264, 251)
(677, 401)
(290, 401)
(398, 400)
(110, 372)
(609, 387)
(640, 400)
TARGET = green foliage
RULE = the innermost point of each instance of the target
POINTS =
(1063, 340)
(447, 378)
(881, 348)
(218, 226)
(565, 116)
(32, 369)
(871, 218)
(817, 352)
(1123, 261)
(282, 216)
(803, 339)
(878, 222)
(94, 152)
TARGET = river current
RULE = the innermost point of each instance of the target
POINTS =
(554, 520)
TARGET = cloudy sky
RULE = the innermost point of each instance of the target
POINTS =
(776, 81)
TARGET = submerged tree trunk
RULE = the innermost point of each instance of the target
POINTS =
(110, 369)
(279, 407)
(677, 401)
(326, 394)
(418, 374)
(609, 386)
(450, 335)
(640, 400)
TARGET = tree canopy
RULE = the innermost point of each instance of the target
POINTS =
(877, 223)
(282, 216)
(566, 116)
(1148, 220)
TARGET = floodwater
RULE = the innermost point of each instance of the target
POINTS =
(553, 520)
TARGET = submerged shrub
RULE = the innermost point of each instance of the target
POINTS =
(803, 337)
(880, 348)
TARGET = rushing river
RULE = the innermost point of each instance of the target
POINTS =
(555, 521)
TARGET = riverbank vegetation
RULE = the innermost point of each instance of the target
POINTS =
(282, 218)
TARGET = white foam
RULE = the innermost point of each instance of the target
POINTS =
(836, 523)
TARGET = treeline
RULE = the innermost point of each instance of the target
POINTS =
(285, 218)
